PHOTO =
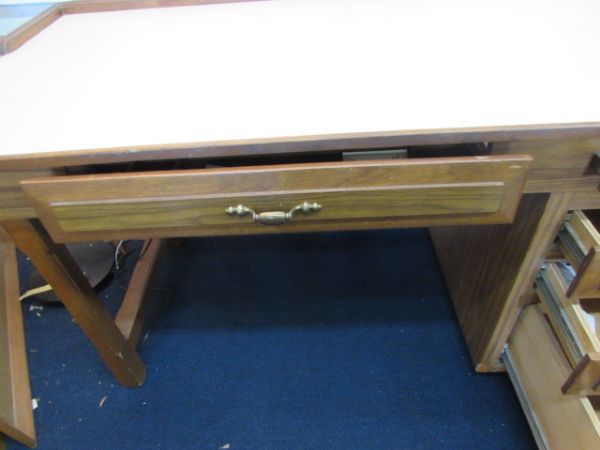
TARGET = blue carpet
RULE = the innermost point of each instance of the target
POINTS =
(317, 341)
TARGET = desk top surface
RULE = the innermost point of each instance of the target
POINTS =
(297, 68)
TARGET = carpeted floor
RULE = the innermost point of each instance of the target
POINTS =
(318, 341)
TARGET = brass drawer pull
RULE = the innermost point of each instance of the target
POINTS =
(273, 217)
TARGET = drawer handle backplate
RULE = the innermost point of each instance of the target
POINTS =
(273, 217)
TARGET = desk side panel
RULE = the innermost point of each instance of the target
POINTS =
(489, 271)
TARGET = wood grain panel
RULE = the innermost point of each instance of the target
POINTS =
(198, 212)
(348, 191)
(136, 303)
(558, 166)
(585, 200)
(16, 413)
(490, 270)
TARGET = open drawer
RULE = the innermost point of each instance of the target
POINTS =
(577, 328)
(579, 240)
(295, 197)
(537, 367)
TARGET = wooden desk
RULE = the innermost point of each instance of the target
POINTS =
(161, 122)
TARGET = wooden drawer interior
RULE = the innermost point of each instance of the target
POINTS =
(572, 312)
(578, 329)
(537, 367)
(351, 194)
(580, 242)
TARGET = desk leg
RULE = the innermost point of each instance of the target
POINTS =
(55, 264)
(16, 411)
(137, 301)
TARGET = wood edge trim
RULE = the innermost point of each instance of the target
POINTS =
(581, 271)
(342, 225)
(28, 30)
(93, 6)
(17, 435)
(499, 186)
(32, 27)
(292, 145)
(573, 384)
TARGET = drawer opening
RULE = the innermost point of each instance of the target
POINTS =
(579, 241)
(578, 235)
(567, 273)
(595, 403)
(385, 153)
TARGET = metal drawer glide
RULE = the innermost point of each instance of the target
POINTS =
(532, 418)
(555, 308)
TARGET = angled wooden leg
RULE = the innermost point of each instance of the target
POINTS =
(56, 265)
(135, 307)
(16, 411)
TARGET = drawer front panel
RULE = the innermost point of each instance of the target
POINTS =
(210, 211)
(194, 201)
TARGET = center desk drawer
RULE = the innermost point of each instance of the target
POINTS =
(297, 197)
